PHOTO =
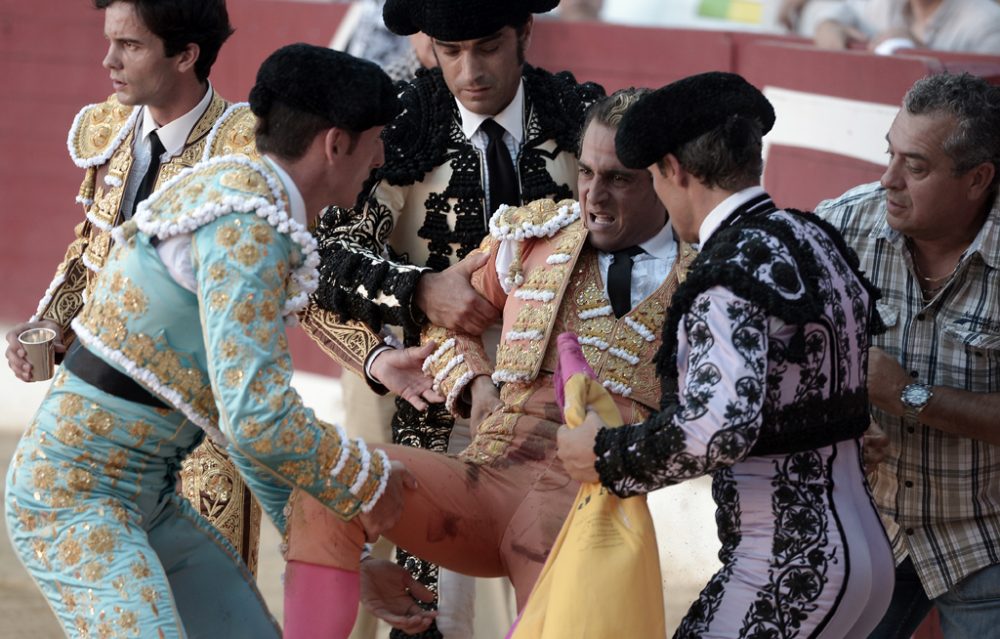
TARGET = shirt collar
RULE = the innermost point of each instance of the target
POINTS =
(173, 135)
(511, 118)
(722, 211)
(296, 204)
(987, 242)
(663, 245)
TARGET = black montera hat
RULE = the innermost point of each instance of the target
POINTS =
(662, 121)
(454, 20)
(350, 93)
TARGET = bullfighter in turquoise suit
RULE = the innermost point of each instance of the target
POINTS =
(186, 330)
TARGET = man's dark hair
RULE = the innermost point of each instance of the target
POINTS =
(975, 106)
(288, 132)
(182, 22)
(728, 157)
(609, 110)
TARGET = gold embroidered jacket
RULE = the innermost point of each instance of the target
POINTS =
(552, 284)
(100, 142)
(220, 355)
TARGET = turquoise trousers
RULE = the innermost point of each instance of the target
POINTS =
(93, 513)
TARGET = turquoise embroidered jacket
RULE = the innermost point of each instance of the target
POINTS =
(220, 354)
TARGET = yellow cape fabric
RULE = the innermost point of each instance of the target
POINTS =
(602, 577)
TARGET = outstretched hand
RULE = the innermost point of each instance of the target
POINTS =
(448, 299)
(392, 594)
(401, 371)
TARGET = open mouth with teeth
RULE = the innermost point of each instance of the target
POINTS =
(600, 220)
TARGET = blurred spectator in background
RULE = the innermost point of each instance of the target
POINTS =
(362, 33)
(886, 26)
(580, 9)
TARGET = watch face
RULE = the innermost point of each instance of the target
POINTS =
(915, 395)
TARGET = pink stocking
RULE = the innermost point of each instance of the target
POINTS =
(321, 602)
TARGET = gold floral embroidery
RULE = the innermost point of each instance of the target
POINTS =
(244, 312)
(248, 254)
(117, 460)
(69, 434)
(80, 480)
(69, 599)
(227, 236)
(264, 335)
(251, 182)
(191, 191)
(140, 431)
(262, 233)
(140, 348)
(60, 498)
(82, 627)
(101, 540)
(43, 476)
(100, 423)
(250, 428)
(129, 622)
(118, 583)
(218, 272)
(69, 550)
(70, 406)
(41, 549)
(233, 377)
(229, 349)
(133, 300)
(93, 571)
(148, 594)
(269, 310)
(218, 300)
(140, 569)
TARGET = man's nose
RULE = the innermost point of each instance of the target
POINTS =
(892, 177)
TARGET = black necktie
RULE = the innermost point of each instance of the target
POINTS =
(149, 179)
(499, 168)
(620, 280)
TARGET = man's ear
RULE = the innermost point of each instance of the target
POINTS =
(526, 34)
(187, 58)
(336, 144)
(669, 168)
(981, 180)
(675, 172)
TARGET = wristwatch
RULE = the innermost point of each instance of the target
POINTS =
(915, 398)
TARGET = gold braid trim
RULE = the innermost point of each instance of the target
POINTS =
(348, 343)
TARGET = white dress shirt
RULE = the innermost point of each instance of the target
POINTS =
(173, 136)
(512, 121)
(649, 268)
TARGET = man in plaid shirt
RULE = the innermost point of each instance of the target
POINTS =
(928, 234)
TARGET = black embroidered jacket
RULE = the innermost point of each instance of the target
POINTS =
(768, 337)
(425, 208)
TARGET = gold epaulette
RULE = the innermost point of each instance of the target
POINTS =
(98, 130)
(211, 189)
(233, 133)
(541, 218)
